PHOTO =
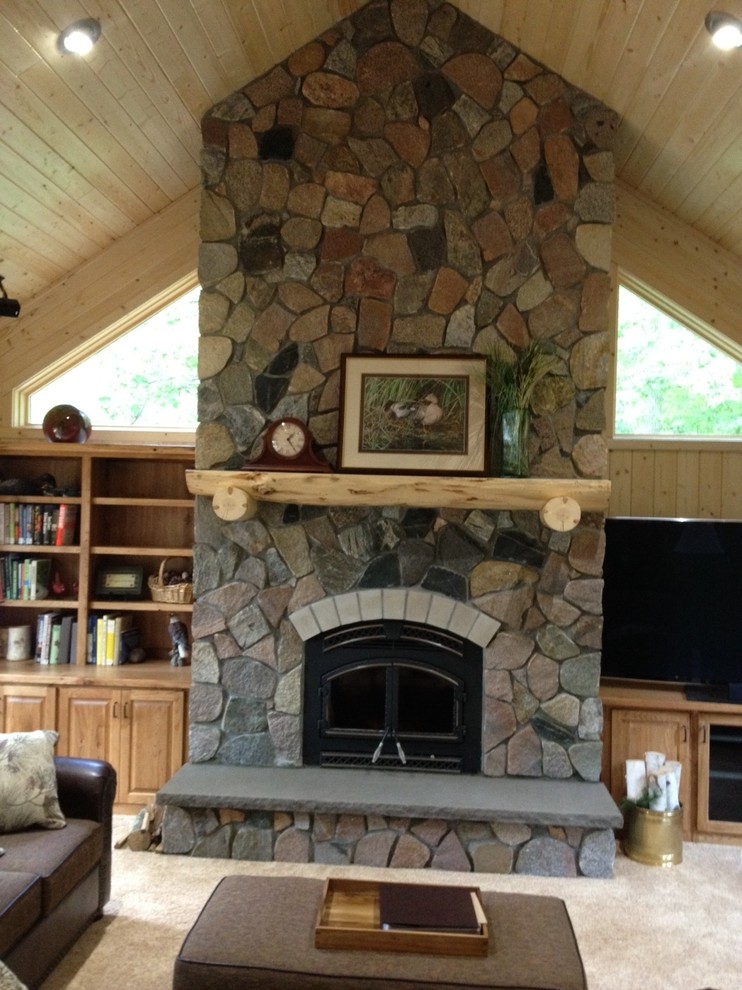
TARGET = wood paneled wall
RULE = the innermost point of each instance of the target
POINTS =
(97, 296)
(684, 479)
(690, 479)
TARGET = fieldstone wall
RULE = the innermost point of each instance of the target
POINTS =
(384, 842)
(406, 183)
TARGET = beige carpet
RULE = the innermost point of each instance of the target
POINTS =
(648, 928)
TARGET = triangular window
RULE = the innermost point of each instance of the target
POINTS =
(144, 379)
(670, 380)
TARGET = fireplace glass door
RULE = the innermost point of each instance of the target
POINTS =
(400, 703)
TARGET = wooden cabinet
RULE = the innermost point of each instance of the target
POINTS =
(133, 715)
(705, 737)
(719, 755)
(134, 510)
(636, 732)
(27, 707)
(140, 731)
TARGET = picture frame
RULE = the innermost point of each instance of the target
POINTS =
(413, 414)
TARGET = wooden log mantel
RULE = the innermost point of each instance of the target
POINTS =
(560, 502)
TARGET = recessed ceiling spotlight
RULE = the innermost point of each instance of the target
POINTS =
(725, 30)
(79, 38)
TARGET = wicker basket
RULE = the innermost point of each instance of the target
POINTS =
(173, 594)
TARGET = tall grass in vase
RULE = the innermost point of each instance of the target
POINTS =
(512, 381)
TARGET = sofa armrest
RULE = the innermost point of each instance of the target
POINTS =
(86, 789)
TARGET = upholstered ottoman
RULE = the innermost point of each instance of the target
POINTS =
(258, 933)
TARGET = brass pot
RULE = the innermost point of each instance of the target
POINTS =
(654, 837)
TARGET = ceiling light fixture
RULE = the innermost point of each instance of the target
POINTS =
(725, 30)
(79, 38)
(8, 307)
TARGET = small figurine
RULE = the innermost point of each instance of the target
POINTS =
(178, 632)
(57, 584)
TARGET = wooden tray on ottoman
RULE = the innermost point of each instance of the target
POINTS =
(349, 918)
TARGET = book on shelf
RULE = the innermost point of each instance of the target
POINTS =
(40, 576)
(428, 907)
(24, 578)
(45, 623)
(54, 640)
(37, 524)
(65, 638)
(111, 635)
(66, 524)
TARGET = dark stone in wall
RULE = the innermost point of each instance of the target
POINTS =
(543, 191)
(276, 143)
(468, 35)
(269, 390)
(260, 247)
(446, 582)
(384, 572)
(519, 548)
(417, 522)
(285, 361)
(433, 93)
(428, 248)
(457, 551)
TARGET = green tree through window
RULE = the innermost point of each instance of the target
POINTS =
(147, 378)
(669, 380)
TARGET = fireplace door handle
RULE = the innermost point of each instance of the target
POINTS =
(400, 751)
(377, 751)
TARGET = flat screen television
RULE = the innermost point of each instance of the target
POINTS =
(672, 604)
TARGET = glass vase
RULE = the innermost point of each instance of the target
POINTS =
(514, 428)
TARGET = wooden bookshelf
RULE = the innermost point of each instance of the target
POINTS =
(133, 510)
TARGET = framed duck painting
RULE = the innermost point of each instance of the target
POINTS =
(413, 414)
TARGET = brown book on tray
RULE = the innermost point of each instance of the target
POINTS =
(427, 907)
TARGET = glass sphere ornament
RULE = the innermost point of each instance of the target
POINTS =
(66, 424)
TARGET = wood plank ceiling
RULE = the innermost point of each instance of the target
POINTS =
(90, 148)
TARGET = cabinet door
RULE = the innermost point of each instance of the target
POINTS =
(26, 707)
(634, 733)
(151, 744)
(720, 776)
(88, 723)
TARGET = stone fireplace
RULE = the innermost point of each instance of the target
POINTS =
(407, 183)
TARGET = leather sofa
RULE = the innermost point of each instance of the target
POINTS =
(55, 882)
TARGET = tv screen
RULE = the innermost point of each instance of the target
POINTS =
(672, 600)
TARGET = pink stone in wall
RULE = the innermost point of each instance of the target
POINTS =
(339, 243)
(270, 88)
(513, 327)
(447, 292)
(326, 89)
(345, 185)
(385, 65)
(410, 142)
(563, 163)
(307, 59)
(367, 278)
(477, 75)
(374, 324)
(493, 236)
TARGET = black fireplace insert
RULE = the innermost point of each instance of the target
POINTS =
(393, 695)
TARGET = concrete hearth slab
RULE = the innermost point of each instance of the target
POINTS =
(399, 794)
